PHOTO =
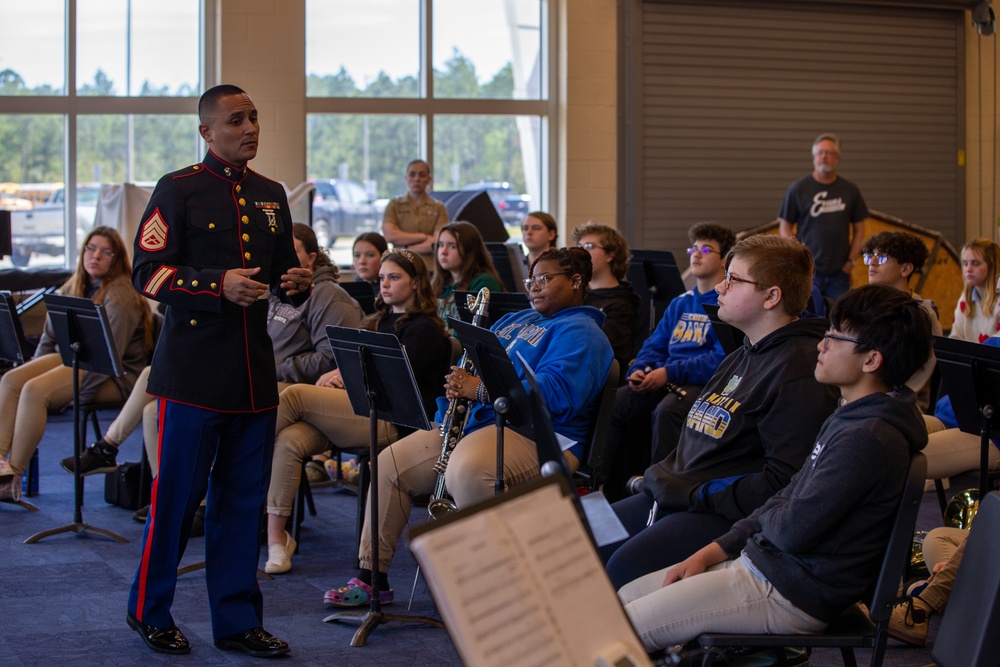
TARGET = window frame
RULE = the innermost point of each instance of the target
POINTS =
(426, 106)
(72, 105)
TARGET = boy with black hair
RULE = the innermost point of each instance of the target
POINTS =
(814, 548)
(670, 369)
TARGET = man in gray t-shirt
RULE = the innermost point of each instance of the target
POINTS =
(821, 208)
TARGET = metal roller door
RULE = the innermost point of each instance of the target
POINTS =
(723, 100)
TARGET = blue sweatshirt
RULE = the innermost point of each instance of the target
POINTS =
(570, 356)
(684, 341)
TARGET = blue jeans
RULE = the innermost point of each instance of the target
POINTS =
(832, 285)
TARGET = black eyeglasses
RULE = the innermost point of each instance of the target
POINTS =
(730, 279)
(827, 337)
(541, 280)
(704, 250)
(871, 259)
(590, 246)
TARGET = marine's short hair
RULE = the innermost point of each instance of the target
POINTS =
(210, 99)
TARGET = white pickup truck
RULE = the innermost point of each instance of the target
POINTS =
(42, 229)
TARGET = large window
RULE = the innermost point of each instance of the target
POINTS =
(464, 85)
(118, 107)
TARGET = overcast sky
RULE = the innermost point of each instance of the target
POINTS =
(339, 33)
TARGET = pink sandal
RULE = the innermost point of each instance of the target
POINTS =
(355, 594)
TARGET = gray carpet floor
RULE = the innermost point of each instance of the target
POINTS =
(63, 599)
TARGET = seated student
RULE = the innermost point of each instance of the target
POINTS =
(539, 232)
(943, 550)
(892, 258)
(609, 292)
(752, 426)
(461, 263)
(310, 417)
(951, 451)
(814, 548)
(977, 316)
(552, 337)
(28, 392)
(302, 350)
(367, 253)
(684, 352)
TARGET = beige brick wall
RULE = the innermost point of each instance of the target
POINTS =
(982, 214)
(263, 52)
(588, 81)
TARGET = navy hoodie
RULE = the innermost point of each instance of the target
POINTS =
(820, 540)
(751, 429)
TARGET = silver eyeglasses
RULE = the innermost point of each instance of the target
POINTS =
(541, 280)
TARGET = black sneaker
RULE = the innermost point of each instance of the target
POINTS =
(99, 457)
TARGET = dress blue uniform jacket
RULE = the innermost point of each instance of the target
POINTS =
(200, 222)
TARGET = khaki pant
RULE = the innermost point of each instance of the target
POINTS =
(727, 597)
(27, 393)
(943, 545)
(406, 470)
(310, 419)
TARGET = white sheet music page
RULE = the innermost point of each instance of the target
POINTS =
(520, 584)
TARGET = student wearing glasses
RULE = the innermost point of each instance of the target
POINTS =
(561, 340)
(752, 426)
(892, 259)
(683, 351)
(609, 292)
(814, 548)
(539, 232)
(27, 393)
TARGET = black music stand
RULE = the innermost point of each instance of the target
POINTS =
(14, 346)
(86, 343)
(496, 371)
(970, 372)
(656, 278)
(501, 303)
(368, 363)
(362, 292)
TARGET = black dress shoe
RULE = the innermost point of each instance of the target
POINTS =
(257, 642)
(164, 640)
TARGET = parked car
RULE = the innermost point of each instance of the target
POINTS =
(42, 229)
(341, 208)
(513, 208)
(496, 190)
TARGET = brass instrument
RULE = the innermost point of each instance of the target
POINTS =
(961, 509)
(453, 425)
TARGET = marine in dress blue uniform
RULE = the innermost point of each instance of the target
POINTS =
(214, 238)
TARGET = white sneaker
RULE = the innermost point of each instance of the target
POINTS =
(6, 472)
(279, 556)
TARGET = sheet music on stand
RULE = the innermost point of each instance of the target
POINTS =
(519, 582)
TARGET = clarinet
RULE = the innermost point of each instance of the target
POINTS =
(453, 425)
